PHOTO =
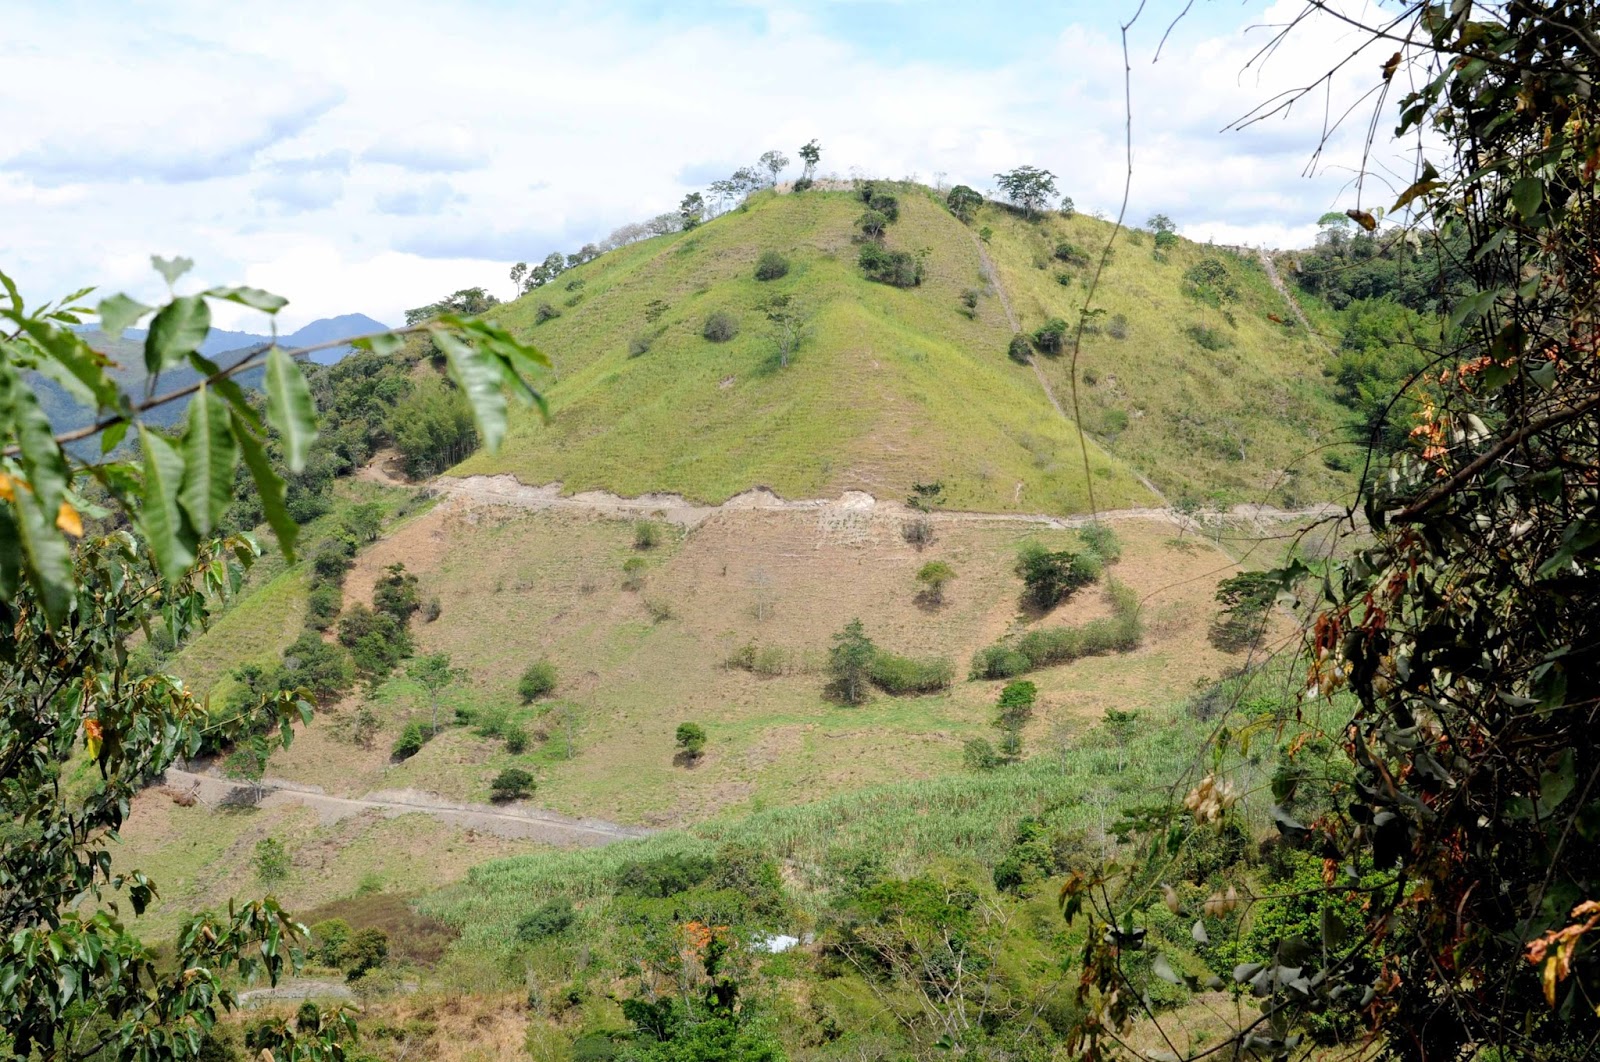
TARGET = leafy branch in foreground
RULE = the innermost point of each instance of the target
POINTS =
(178, 495)
(1465, 629)
(83, 726)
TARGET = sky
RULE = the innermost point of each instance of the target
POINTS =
(367, 157)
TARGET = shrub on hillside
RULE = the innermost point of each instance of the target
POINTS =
(544, 313)
(633, 573)
(803, 184)
(1117, 327)
(771, 266)
(1019, 349)
(997, 662)
(663, 876)
(1015, 706)
(1049, 577)
(376, 640)
(516, 739)
(333, 558)
(720, 327)
(432, 610)
(1050, 337)
(933, 577)
(691, 740)
(646, 535)
(1208, 338)
(1246, 599)
(364, 952)
(897, 674)
(979, 755)
(539, 680)
(885, 204)
(900, 269)
(411, 740)
(969, 302)
(396, 593)
(1102, 541)
(639, 345)
(550, 919)
(917, 532)
(1071, 254)
(323, 668)
(513, 783)
(322, 606)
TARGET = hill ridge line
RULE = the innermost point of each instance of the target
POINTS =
(505, 489)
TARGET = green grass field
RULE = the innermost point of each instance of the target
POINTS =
(898, 386)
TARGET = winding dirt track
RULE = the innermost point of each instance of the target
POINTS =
(516, 820)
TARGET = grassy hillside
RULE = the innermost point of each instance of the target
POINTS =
(900, 386)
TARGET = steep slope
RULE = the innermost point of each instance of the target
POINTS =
(898, 386)
(1213, 389)
(892, 386)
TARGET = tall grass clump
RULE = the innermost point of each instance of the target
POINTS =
(893, 673)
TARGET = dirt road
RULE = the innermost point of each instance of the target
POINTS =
(513, 820)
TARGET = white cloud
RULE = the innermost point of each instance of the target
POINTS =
(307, 138)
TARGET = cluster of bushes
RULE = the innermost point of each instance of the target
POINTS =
(900, 269)
(1118, 633)
(855, 665)
(1050, 577)
(353, 952)
(768, 661)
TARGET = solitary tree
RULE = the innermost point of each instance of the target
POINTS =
(692, 210)
(518, 271)
(513, 783)
(691, 738)
(435, 675)
(850, 663)
(933, 576)
(774, 162)
(964, 202)
(1165, 230)
(787, 318)
(1028, 187)
(811, 154)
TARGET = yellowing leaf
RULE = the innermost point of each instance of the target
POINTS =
(1391, 66)
(1362, 218)
(8, 490)
(91, 737)
(68, 520)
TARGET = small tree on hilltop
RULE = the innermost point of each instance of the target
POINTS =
(518, 271)
(1028, 187)
(934, 576)
(850, 663)
(811, 154)
(964, 202)
(1166, 233)
(691, 739)
(774, 162)
(435, 675)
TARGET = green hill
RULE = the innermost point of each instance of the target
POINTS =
(896, 386)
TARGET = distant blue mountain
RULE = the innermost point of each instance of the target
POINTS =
(223, 347)
(319, 331)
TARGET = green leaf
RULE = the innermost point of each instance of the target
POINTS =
(1334, 931)
(11, 293)
(289, 408)
(43, 465)
(1163, 969)
(1527, 195)
(386, 343)
(480, 380)
(169, 540)
(1556, 785)
(118, 313)
(177, 331)
(112, 436)
(254, 298)
(269, 485)
(171, 268)
(228, 389)
(208, 457)
(1472, 307)
(46, 557)
(10, 555)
